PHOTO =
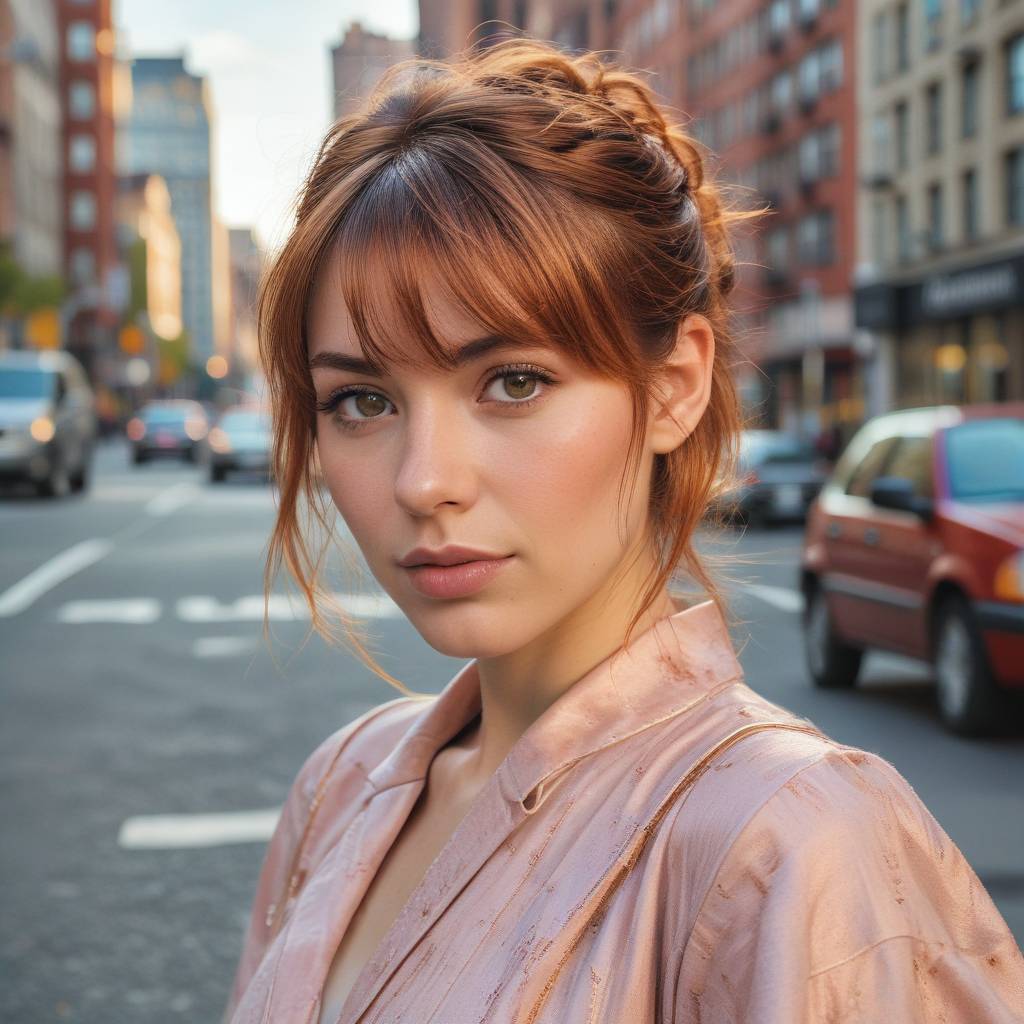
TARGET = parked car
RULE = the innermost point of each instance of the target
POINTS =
(48, 424)
(240, 440)
(779, 476)
(171, 427)
(916, 545)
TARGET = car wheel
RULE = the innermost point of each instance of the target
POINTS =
(56, 483)
(139, 457)
(831, 663)
(218, 474)
(969, 700)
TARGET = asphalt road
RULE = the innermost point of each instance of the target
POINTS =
(136, 683)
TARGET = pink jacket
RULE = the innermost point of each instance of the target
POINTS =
(661, 845)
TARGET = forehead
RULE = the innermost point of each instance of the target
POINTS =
(331, 325)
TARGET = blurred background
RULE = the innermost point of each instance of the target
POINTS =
(873, 547)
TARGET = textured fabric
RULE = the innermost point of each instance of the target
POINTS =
(661, 845)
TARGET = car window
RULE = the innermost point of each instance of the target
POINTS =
(912, 460)
(164, 414)
(986, 460)
(870, 467)
(245, 421)
(29, 383)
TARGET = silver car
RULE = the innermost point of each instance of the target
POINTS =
(48, 423)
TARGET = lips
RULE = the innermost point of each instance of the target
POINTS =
(458, 580)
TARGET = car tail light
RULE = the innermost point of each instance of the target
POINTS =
(195, 429)
(219, 440)
(1009, 581)
(136, 429)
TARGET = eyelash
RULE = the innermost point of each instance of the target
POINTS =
(333, 400)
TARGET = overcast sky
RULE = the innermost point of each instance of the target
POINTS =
(268, 64)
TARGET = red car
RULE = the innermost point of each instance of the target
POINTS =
(916, 545)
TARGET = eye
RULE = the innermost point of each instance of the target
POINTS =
(518, 383)
(367, 404)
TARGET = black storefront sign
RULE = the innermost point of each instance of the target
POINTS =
(941, 296)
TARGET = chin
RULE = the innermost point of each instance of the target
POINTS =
(468, 628)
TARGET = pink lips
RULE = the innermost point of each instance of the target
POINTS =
(455, 580)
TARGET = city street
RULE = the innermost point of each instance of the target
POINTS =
(137, 688)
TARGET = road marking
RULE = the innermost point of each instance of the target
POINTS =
(182, 831)
(27, 591)
(779, 597)
(136, 610)
(172, 499)
(282, 608)
(222, 646)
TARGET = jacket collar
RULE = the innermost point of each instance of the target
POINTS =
(667, 669)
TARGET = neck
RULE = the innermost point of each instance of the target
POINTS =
(517, 688)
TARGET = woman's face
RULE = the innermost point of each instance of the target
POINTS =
(517, 453)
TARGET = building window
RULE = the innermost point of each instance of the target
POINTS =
(901, 126)
(881, 143)
(82, 101)
(82, 153)
(879, 226)
(936, 233)
(933, 118)
(969, 100)
(902, 36)
(83, 210)
(970, 210)
(932, 25)
(969, 11)
(1015, 74)
(815, 239)
(879, 46)
(778, 249)
(1015, 187)
(83, 267)
(81, 41)
(903, 237)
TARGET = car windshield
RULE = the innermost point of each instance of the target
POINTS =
(986, 460)
(245, 421)
(758, 449)
(164, 414)
(28, 383)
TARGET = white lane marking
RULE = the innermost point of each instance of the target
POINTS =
(137, 610)
(779, 597)
(282, 608)
(172, 499)
(222, 646)
(45, 577)
(180, 831)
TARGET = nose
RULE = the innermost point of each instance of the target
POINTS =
(437, 464)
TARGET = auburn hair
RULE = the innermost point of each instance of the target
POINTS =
(559, 203)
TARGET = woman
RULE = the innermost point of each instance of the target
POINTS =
(501, 326)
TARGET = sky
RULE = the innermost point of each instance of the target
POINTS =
(268, 65)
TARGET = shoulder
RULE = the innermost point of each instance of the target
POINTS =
(361, 744)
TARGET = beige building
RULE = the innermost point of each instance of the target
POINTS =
(145, 221)
(940, 240)
(359, 60)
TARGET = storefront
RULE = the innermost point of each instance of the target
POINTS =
(957, 336)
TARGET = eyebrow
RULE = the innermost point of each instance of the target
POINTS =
(463, 354)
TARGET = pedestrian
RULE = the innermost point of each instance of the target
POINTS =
(499, 332)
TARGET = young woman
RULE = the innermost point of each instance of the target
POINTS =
(500, 326)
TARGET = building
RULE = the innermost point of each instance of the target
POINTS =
(31, 167)
(168, 133)
(246, 269)
(359, 60)
(448, 26)
(940, 280)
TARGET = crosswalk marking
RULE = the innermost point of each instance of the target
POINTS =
(783, 598)
(182, 831)
(137, 610)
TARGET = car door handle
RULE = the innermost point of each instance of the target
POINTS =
(872, 536)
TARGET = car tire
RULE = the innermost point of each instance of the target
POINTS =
(57, 482)
(970, 702)
(80, 481)
(831, 663)
(139, 457)
(218, 474)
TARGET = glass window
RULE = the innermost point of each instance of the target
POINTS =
(83, 210)
(902, 36)
(27, 383)
(879, 39)
(986, 460)
(902, 133)
(912, 460)
(903, 236)
(969, 100)
(82, 100)
(82, 153)
(870, 468)
(936, 230)
(1015, 74)
(1015, 186)
(969, 11)
(970, 209)
(933, 115)
(81, 41)
(932, 24)
(83, 266)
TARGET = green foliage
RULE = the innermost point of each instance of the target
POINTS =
(21, 293)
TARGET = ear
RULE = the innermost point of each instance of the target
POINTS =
(683, 388)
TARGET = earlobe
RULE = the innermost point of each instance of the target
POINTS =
(683, 389)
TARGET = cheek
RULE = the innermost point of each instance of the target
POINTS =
(361, 493)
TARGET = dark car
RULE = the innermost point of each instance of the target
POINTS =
(916, 545)
(174, 427)
(779, 476)
(240, 440)
(48, 422)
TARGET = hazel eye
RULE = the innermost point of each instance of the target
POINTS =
(517, 385)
